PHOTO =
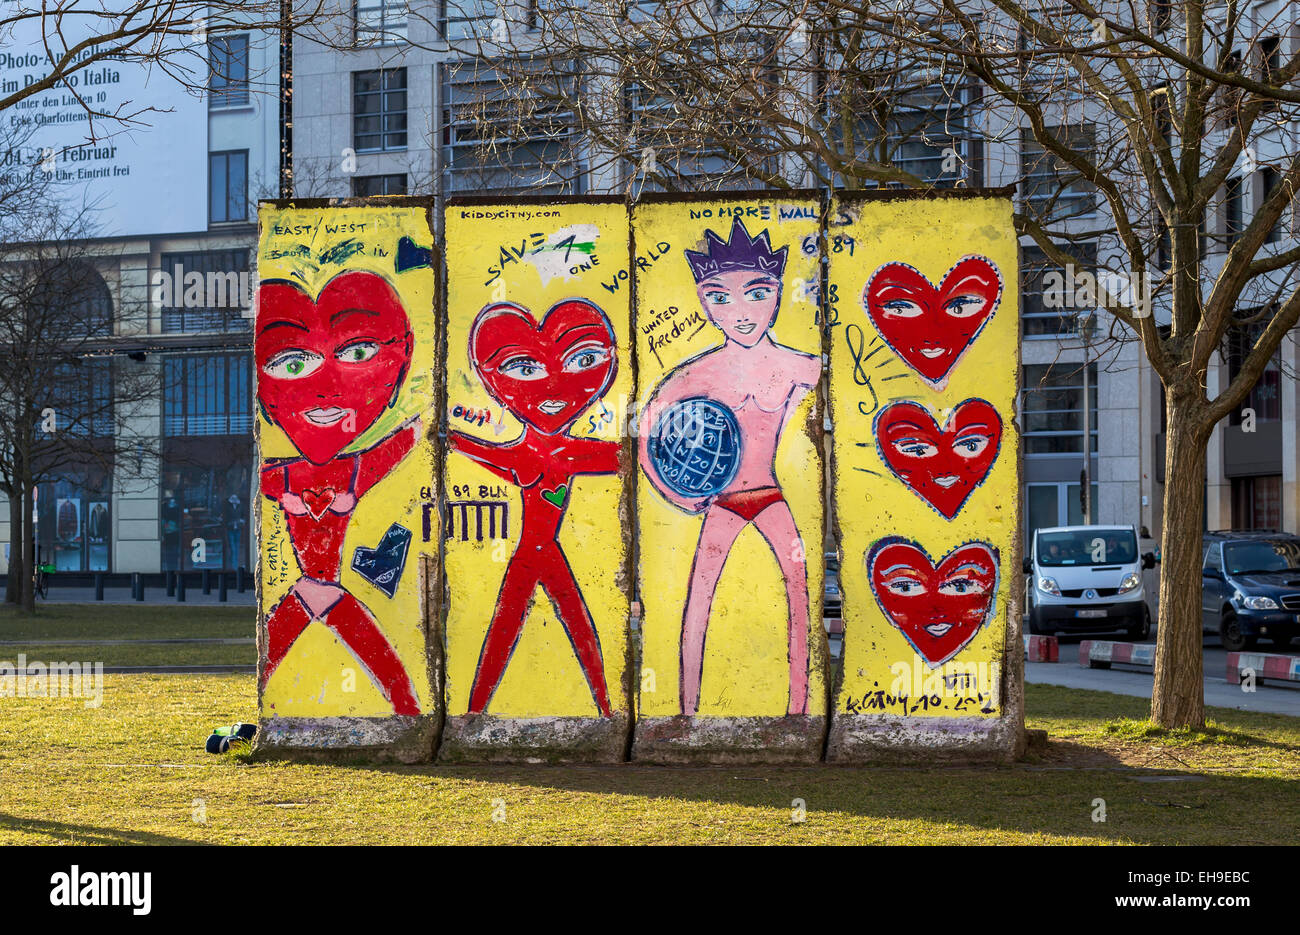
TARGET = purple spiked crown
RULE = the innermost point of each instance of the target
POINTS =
(740, 252)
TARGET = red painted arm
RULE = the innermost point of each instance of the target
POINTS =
(592, 455)
(377, 462)
(501, 460)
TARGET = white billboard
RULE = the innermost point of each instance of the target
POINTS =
(146, 177)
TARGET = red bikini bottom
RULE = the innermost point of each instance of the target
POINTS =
(747, 504)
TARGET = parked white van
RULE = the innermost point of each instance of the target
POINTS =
(1087, 579)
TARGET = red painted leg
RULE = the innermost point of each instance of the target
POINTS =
(557, 579)
(359, 632)
(503, 632)
(283, 627)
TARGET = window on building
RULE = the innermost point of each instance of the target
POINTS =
(81, 395)
(1048, 311)
(228, 186)
(1265, 398)
(1053, 409)
(496, 138)
(467, 19)
(228, 63)
(379, 110)
(74, 531)
(924, 133)
(1053, 190)
(1257, 502)
(1234, 209)
(379, 22)
(205, 491)
(662, 108)
(365, 185)
(1161, 13)
(207, 394)
(207, 448)
(209, 290)
(1269, 179)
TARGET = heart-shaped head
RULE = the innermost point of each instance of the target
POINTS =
(327, 368)
(942, 465)
(939, 609)
(545, 374)
(928, 327)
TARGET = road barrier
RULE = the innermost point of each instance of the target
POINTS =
(1263, 666)
(1099, 654)
(1042, 648)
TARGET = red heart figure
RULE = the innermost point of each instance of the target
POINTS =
(939, 609)
(942, 466)
(546, 374)
(929, 328)
(318, 501)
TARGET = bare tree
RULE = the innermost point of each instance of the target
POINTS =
(1135, 130)
(72, 404)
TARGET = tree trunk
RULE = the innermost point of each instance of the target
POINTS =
(14, 580)
(1179, 696)
(29, 552)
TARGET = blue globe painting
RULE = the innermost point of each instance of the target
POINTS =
(695, 447)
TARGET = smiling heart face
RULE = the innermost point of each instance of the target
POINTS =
(546, 374)
(943, 466)
(939, 609)
(931, 328)
(327, 368)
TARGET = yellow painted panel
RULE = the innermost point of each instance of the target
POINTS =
(344, 346)
(539, 372)
(924, 374)
(729, 495)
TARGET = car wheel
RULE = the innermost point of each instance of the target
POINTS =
(1231, 636)
(1142, 631)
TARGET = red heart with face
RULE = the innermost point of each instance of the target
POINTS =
(546, 374)
(942, 466)
(939, 609)
(327, 368)
(931, 328)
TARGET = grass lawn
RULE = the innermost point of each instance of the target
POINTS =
(71, 622)
(134, 771)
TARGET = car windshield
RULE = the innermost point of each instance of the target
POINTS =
(1246, 558)
(1087, 547)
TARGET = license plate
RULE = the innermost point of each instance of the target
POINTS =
(1090, 613)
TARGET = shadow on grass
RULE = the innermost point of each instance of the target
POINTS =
(87, 834)
(1043, 798)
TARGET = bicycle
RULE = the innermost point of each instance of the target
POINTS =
(43, 571)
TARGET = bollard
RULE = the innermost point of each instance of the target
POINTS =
(137, 586)
(207, 581)
(239, 579)
(180, 588)
(171, 583)
(99, 586)
(221, 588)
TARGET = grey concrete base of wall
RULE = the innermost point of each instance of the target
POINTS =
(483, 738)
(404, 739)
(728, 740)
(861, 739)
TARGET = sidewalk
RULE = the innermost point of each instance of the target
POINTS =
(1219, 692)
(158, 595)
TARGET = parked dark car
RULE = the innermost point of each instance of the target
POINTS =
(1250, 587)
